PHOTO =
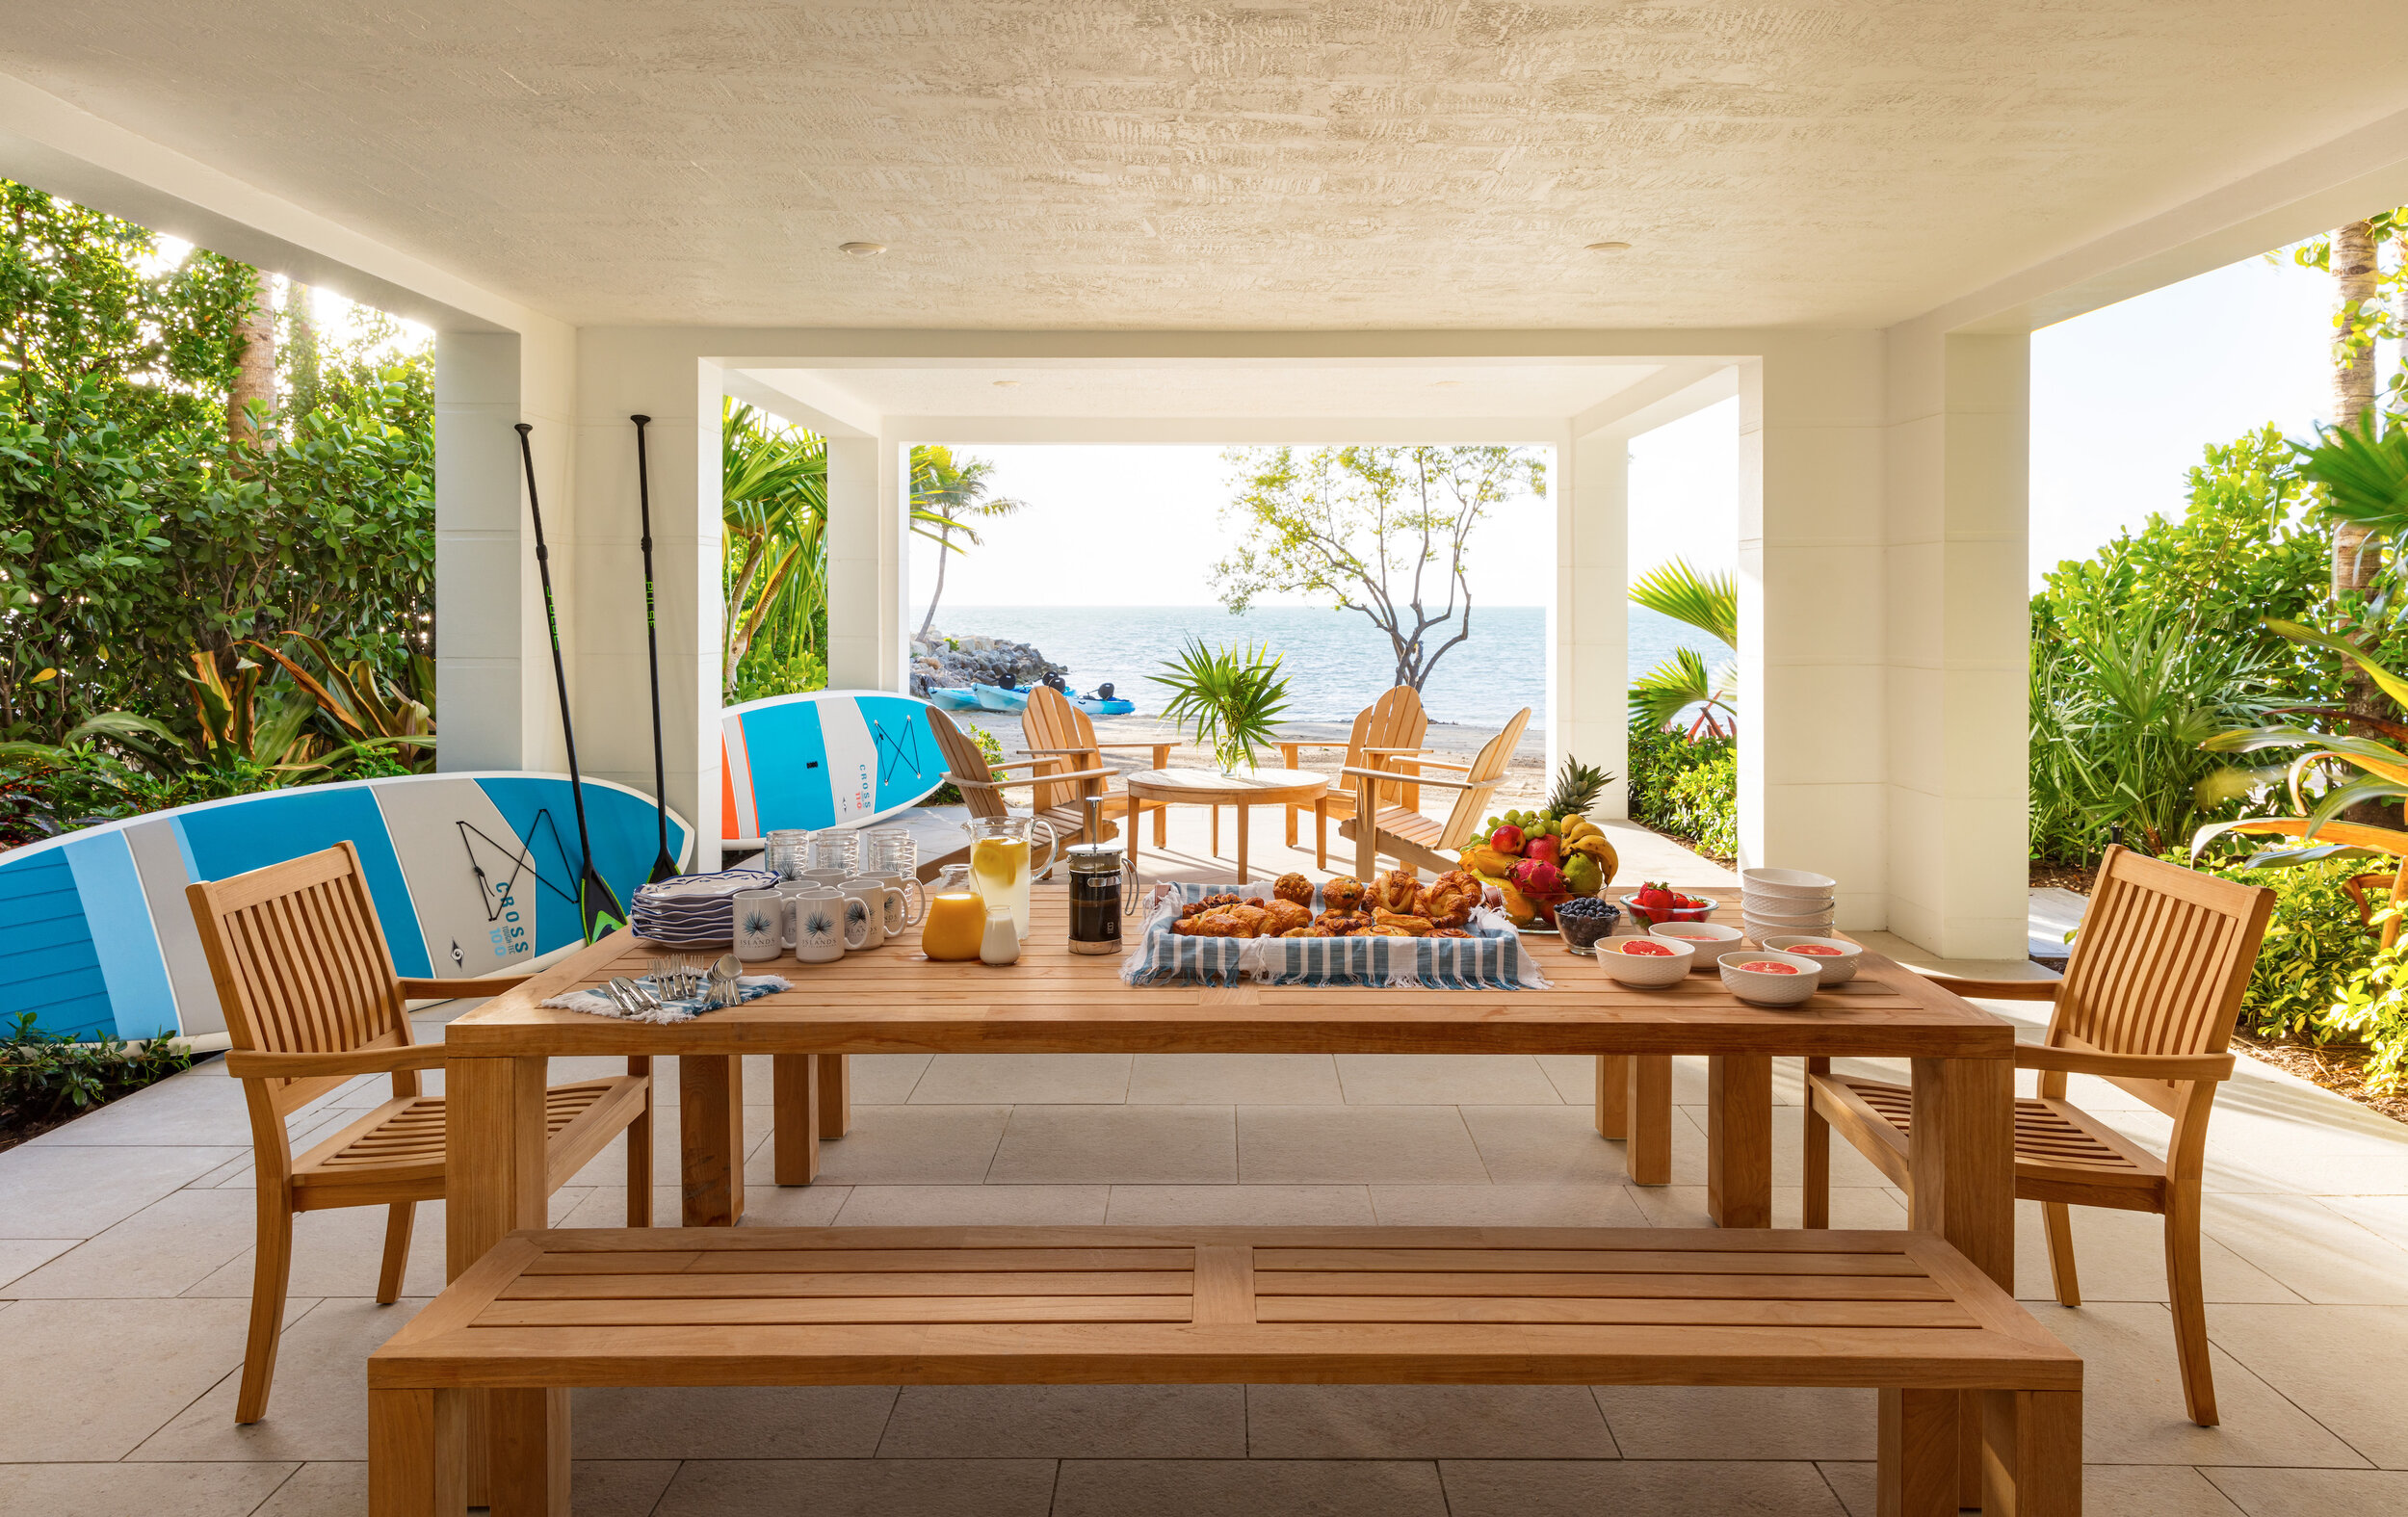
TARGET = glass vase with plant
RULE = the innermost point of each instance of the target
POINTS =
(1226, 699)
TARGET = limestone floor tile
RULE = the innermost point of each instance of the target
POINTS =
(886, 1078)
(605, 1206)
(318, 1407)
(608, 1168)
(2311, 1248)
(1673, 1421)
(2384, 1216)
(1575, 1205)
(1851, 1206)
(597, 1488)
(82, 1192)
(1356, 1146)
(1635, 1488)
(915, 1145)
(768, 1204)
(22, 1256)
(755, 1487)
(2120, 1256)
(200, 1106)
(2344, 1365)
(1117, 1145)
(88, 1384)
(115, 1490)
(1236, 1079)
(164, 1249)
(2132, 1395)
(1425, 1421)
(2113, 1490)
(1248, 1488)
(2314, 1493)
(339, 1252)
(832, 1422)
(1848, 1167)
(1053, 1079)
(975, 1206)
(1575, 1079)
(305, 1131)
(1857, 1485)
(1067, 1422)
(1240, 1206)
(1444, 1080)
(1544, 1145)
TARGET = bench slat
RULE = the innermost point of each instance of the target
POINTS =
(899, 1282)
(1620, 1261)
(766, 1260)
(1739, 1313)
(1775, 1286)
(840, 1309)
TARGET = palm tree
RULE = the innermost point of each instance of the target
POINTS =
(773, 504)
(1709, 603)
(943, 494)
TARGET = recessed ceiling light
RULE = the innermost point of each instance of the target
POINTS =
(1609, 247)
(861, 249)
(1006, 384)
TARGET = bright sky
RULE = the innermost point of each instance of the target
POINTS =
(2123, 400)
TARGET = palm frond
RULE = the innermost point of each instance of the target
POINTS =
(1707, 602)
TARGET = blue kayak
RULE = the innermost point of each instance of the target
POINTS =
(995, 697)
(954, 699)
(1104, 708)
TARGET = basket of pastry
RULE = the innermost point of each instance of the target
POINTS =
(1394, 930)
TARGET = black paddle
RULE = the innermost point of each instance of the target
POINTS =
(598, 911)
(664, 867)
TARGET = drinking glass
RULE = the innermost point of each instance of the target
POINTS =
(836, 852)
(998, 863)
(788, 852)
(890, 850)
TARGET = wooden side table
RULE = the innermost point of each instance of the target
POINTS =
(1205, 787)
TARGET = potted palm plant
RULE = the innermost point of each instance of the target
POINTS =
(1226, 699)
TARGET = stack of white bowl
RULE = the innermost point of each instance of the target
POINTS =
(1778, 902)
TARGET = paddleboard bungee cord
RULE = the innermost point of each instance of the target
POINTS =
(664, 867)
(598, 911)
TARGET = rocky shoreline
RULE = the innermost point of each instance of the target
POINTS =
(940, 662)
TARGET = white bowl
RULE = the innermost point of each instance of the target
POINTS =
(1644, 971)
(1798, 914)
(1791, 883)
(1707, 937)
(1761, 989)
(1761, 934)
(1786, 905)
(1838, 967)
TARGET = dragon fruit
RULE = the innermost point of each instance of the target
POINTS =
(1538, 878)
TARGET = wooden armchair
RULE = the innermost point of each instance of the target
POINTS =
(1387, 734)
(975, 776)
(2147, 1001)
(1412, 839)
(312, 1001)
(1051, 727)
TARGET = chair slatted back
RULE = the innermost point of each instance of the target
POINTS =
(1471, 805)
(1050, 722)
(965, 760)
(2161, 964)
(300, 963)
(1394, 720)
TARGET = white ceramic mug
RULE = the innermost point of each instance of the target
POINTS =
(760, 922)
(907, 904)
(821, 930)
(881, 903)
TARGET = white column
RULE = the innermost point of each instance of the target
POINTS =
(1589, 707)
(1958, 630)
(624, 374)
(495, 706)
(1812, 683)
(867, 480)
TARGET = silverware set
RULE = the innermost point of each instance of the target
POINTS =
(677, 979)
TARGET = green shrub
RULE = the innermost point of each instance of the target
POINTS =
(762, 675)
(45, 1077)
(2314, 948)
(2372, 1009)
(1688, 790)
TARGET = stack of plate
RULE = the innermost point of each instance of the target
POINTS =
(1774, 903)
(695, 910)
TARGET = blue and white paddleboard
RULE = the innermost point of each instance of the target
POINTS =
(472, 875)
(832, 758)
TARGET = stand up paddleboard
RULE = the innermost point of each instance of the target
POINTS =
(832, 758)
(472, 875)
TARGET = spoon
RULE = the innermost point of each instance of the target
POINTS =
(724, 974)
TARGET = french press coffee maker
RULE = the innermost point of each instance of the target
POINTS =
(1098, 899)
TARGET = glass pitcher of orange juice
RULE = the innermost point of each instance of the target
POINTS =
(999, 867)
(956, 919)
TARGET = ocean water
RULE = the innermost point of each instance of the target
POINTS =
(1336, 661)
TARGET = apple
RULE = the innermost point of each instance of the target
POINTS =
(1545, 850)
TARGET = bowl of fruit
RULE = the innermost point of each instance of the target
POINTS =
(1539, 859)
(1585, 919)
(1839, 957)
(1762, 978)
(1644, 963)
(1655, 904)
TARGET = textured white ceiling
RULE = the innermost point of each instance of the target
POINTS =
(1275, 164)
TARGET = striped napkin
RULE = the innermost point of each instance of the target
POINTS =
(1490, 959)
(593, 1003)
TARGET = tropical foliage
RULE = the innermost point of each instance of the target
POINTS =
(1227, 699)
(948, 496)
(47, 1077)
(1686, 789)
(1709, 603)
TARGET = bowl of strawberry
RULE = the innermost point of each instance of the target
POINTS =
(1654, 905)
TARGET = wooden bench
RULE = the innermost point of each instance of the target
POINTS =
(1900, 1312)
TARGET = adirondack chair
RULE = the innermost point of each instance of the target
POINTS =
(975, 778)
(312, 1001)
(1052, 728)
(2147, 1002)
(1416, 841)
(1387, 734)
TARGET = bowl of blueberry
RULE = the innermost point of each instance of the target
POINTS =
(1585, 919)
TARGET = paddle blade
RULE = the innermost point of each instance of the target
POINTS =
(597, 907)
(662, 868)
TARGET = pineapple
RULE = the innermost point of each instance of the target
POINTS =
(1576, 787)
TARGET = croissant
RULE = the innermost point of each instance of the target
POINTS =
(1315, 931)
(1285, 916)
(1293, 886)
(1250, 920)
(1406, 925)
(1447, 901)
(1211, 923)
(1196, 908)
(1341, 894)
(1344, 923)
(1396, 891)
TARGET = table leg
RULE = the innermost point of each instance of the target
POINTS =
(1915, 1472)
(530, 1453)
(710, 1138)
(1613, 1095)
(1648, 1110)
(416, 1453)
(2032, 1464)
(1216, 810)
(835, 1095)
(1243, 876)
(1961, 1156)
(493, 1155)
(1738, 1139)
(1134, 872)
(794, 1083)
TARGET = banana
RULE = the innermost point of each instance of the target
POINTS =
(1579, 828)
(1482, 860)
(1598, 849)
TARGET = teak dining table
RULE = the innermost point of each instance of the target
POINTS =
(894, 1000)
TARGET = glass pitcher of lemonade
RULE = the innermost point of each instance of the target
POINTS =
(999, 866)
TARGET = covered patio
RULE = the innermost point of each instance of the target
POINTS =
(1560, 227)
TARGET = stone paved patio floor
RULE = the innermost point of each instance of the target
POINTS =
(125, 1245)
